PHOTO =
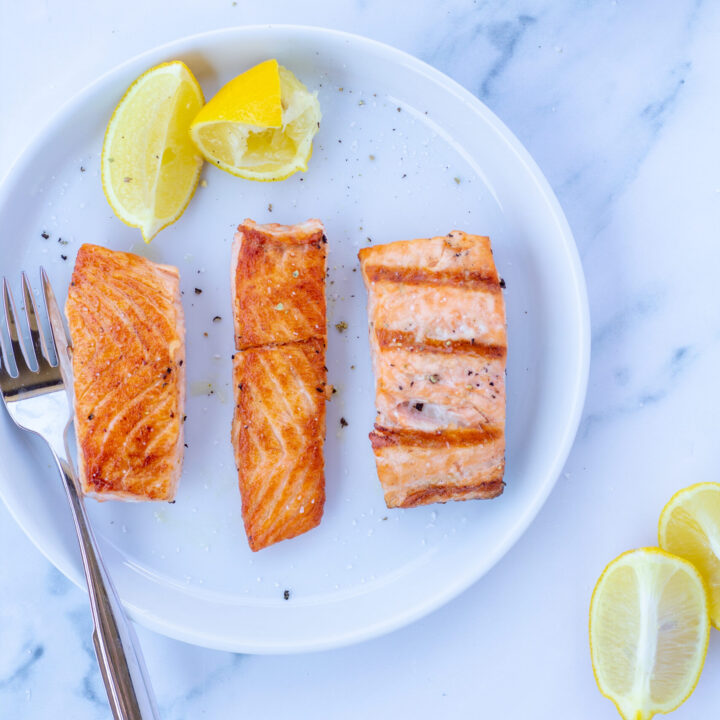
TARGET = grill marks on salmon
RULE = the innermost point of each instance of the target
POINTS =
(127, 329)
(438, 342)
(279, 376)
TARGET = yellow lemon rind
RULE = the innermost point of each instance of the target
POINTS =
(261, 104)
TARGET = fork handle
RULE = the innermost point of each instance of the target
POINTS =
(116, 645)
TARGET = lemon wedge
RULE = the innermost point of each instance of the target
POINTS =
(150, 167)
(649, 630)
(260, 125)
(690, 527)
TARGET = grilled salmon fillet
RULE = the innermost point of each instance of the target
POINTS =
(128, 335)
(438, 342)
(279, 376)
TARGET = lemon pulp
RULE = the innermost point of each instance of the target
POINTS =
(150, 168)
(690, 527)
(649, 629)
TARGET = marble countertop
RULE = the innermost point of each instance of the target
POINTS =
(619, 105)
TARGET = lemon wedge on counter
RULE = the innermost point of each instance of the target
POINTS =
(649, 630)
(150, 167)
(690, 527)
(260, 125)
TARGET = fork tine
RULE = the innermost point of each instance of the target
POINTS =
(17, 347)
(36, 332)
(6, 368)
(58, 334)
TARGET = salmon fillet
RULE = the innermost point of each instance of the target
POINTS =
(279, 376)
(438, 342)
(128, 335)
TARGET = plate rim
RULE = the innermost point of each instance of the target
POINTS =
(463, 581)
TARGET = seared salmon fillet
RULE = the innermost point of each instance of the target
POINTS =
(279, 376)
(128, 334)
(438, 342)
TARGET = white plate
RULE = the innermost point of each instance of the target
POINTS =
(403, 152)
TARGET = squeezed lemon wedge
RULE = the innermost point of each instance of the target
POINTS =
(150, 167)
(260, 125)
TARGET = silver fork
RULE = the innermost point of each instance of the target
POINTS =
(36, 388)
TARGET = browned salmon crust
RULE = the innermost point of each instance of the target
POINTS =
(438, 340)
(128, 335)
(278, 281)
(279, 376)
(278, 439)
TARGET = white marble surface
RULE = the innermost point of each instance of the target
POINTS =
(619, 104)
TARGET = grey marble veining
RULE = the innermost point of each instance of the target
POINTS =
(618, 103)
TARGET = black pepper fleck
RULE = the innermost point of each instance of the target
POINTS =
(198, 291)
(343, 422)
(44, 235)
(286, 594)
(502, 283)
